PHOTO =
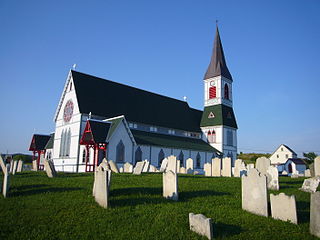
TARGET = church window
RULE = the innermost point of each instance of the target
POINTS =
(62, 140)
(84, 156)
(211, 115)
(198, 160)
(135, 125)
(226, 91)
(70, 87)
(130, 125)
(68, 143)
(138, 155)
(120, 152)
(229, 138)
(171, 131)
(212, 136)
(181, 158)
(153, 129)
(212, 92)
(160, 157)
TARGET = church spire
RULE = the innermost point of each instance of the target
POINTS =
(217, 66)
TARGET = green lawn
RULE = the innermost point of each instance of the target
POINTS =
(63, 208)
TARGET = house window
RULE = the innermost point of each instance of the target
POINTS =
(181, 158)
(138, 155)
(198, 160)
(153, 129)
(226, 91)
(212, 92)
(277, 156)
(281, 149)
(171, 131)
(135, 125)
(120, 152)
(130, 125)
(160, 157)
(287, 156)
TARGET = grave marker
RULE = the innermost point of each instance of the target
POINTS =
(283, 207)
(127, 167)
(207, 170)
(138, 168)
(310, 184)
(317, 166)
(170, 185)
(315, 214)
(226, 167)
(6, 181)
(172, 164)
(216, 167)
(20, 166)
(272, 178)
(201, 225)
(189, 164)
(113, 166)
(101, 186)
(164, 165)
(146, 166)
(262, 164)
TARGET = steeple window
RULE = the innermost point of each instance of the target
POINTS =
(212, 136)
(212, 92)
(226, 91)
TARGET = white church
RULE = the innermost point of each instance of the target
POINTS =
(97, 118)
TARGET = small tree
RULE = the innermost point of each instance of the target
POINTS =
(309, 157)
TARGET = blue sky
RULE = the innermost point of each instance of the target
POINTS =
(271, 47)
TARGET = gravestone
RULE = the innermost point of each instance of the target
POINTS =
(317, 166)
(172, 164)
(105, 165)
(152, 169)
(284, 172)
(178, 166)
(127, 167)
(189, 164)
(15, 167)
(254, 192)
(49, 167)
(272, 178)
(138, 168)
(6, 181)
(294, 175)
(216, 167)
(200, 224)
(121, 169)
(226, 167)
(11, 165)
(307, 173)
(146, 166)
(315, 214)
(2, 164)
(250, 165)
(262, 164)
(283, 207)
(239, 168)
(207, 170)
(20, 166)
(34, 165)
(170, 185)
(113, 166)
(164, 165)
(310, 184)
(183, 170)
(101, 186)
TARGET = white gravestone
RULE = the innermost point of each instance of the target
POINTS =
(172, 164)
(20, 166)
(284, 172)
(250, 165)
(262, 164)
(207, 170)
(310, 184)
(315, 214)
(146, 166)
(178, 166)
(273, 178)
(183, 170)
(15, 167)
(113, 166)
(101, 193)
(201, 225)
(307, 173)
(3, 165)
(254, 193)
(49, 167)
(34, 165)
(138, 168)
(226, 167)
(164, 165)
(216, 167)
(127, 167)
(239, 168)
(317, 166)
(121, 170)
(152, 169)
(6, 181)
(283, 207)
(11, 165)
(170, 185)
(189, 164)
(105, 165)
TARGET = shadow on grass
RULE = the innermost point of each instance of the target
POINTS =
(185, 196)
(221, 230)
(136, 190)
(303, 211)
(24, 187)
(291, 182)
(115, 203)
(35, 191)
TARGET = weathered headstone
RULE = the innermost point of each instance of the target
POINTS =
(250, 165)
(216, 167)
(172, 164)
(239, 168)
(164, 165)
(15, 166)
(6, 181)
(254, 193)
(272, 178)
(152, 169)
(307, 173)
(2, 164)
(284, 172)
(283, 207)
(315, 214)
(34, 165)
(106, 166)
(127, 167)
(121, 169)
(317, 166)
(113, 166)
(49, 167)
(201, 225)
(11, 165)
(20, 166)
(138, 168)
(310, 184)
(101, 192)
(207, 170)
(226, 167)
(262, 164)
(146, 166)
(294, 175)
(183, 170)
(189, 164)
(170, 185)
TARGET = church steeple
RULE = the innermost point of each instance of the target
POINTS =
(217, 66)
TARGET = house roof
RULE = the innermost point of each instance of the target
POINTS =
(38, 142)
(99, 130)
(217, 66)
(288, 148)
(297, 161)
(162, 140)
(49, 144)
(108, 99)
(218, 115)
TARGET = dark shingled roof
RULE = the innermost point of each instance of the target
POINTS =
(108, 99)
(218, 115)
(162, 140)
(99, 130)
(297, 161)
(38, 142)
(217, 66)
(289, 149)
(49, 144)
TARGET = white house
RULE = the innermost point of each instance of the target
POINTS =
(282, 154)
(293, 166)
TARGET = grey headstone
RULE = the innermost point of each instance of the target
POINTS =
(311, 167)
(226, 167)
(310, 184)
(20, 166)
(101, 193)
(307, 173)
(164, 165)
(138, 168)
(239, 168)
(216, 167)
(152, 169)
(283, 207)
(2, 164)
(170, 185)
(127, 167)
(172, 164)
(254, 193)
(6, 181)
(15, 167)
(207, 170)
(201, 225)
(272, 178)
(146, 166)
(250, 165)
(113, 166)
(50, 169)
(189, 164)
(106, 167)
(11, 165)
(284, 172)
(262, 164)
(317, 166)
(315, 214)
(34, 165)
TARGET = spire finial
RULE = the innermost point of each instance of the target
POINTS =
(217, 22)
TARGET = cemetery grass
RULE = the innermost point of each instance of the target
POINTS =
(39, 207)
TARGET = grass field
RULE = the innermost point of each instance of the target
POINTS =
(63, 208)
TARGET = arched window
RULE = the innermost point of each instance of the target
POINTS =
(67, 143)
(160, 157)
(226, 91)
(181, 158)
(198, 160)
(120, 152)
(62, 140)
(84, 156)
(290, 168)
(211, 136)
(212, 92)
(138, 155)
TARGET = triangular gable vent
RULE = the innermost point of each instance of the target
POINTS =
(211, 115)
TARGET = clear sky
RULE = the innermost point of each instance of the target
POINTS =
(272, 50)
